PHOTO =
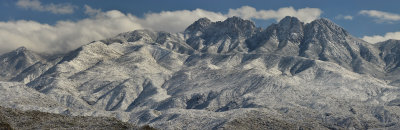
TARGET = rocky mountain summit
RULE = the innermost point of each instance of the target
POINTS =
(217, 75)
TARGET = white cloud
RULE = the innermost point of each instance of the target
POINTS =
(379, 38)
(65, 35)
(90, 11)
(53, 8)
(345, 17)
(68, 35)
(348, 17)
(305, 14)
(177, 21)
(381, 16)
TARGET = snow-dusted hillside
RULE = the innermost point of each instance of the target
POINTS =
(217, 75)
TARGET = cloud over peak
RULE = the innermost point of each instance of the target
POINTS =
(52, 8)
(304, 14)
(67, 35)
(64, 35)
(177, 21)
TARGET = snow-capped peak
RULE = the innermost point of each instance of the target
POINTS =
(198, 25)
(21, 49)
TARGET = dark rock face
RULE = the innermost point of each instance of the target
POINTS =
(220, 37)
(22, 65)
(325, 41)
(282, 38)
(200, 25)
(16, 61)
(390, 53)
(320, 40)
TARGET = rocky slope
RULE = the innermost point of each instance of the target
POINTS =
(15, 119)
(15, 62)
(220, 75)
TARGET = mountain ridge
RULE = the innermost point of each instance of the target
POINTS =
(218, 74)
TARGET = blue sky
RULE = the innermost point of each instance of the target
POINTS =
(370, 20)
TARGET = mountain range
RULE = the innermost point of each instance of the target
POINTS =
(216, 75)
